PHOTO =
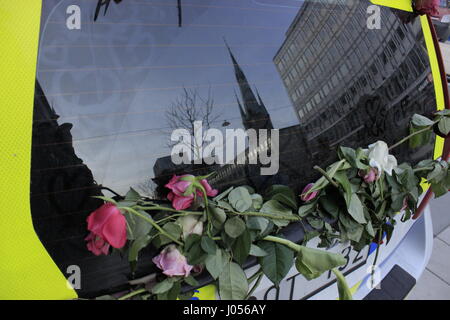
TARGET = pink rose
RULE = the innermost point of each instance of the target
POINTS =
(369, 176)
(429, 7)
(183, 189)
(180, 202)
(108, 227)
(172, 262)
(210, 192)
(305, 196)
(180, 184)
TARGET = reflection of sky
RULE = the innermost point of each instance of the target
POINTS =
(113, 79)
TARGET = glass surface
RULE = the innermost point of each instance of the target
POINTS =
(109, 96)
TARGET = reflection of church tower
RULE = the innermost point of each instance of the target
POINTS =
(253, 111)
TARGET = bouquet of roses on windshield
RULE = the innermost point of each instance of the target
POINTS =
(202, 230)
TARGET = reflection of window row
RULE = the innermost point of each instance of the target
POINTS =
(122, 114)
(307, 95)
(168, 4)
(135, 90)
(142, 24)
(405, 75)
(253, 64)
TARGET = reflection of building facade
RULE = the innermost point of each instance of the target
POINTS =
(347, 82)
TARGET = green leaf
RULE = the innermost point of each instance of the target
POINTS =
(343, 289)
(257, 201)
(418, 140)
(214, 263)
(439, 189)
(355, 209)
(444, 126)
(315, 222)
(136, 226)
(240, 199)
(162, 286)
(190, 280)
(306, 209)
(218, 217)
(311, 263)
(350, 229)
(257, 223)
(276, 209)
(208, 245)
(241, 247)
(136, 246)
(348, 154)
(278, 261)
(421, 121)
(330, 205)
(234, 227)
(223, 194)
(233, 283)
(257, 251)
(172, 229)
(132, 195)
(342, 178)
(283, 194)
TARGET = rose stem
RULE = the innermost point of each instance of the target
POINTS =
(323, 172)
(258, 281)
(154, 224)
(132, 294)
(412, 135)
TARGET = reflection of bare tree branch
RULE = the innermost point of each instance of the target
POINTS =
(101, 3)
(147, 188)
(187, 109)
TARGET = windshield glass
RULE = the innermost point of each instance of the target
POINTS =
(125, 91)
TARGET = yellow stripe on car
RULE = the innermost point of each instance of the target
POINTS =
(26, 269)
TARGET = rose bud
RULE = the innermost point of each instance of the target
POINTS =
(181, 185)
(190, 225)
(370, 176)
(172, 262)
(429, 7)
(405, 204)
(108, 227)
(183, 188)
(305, 196)
(180, 202)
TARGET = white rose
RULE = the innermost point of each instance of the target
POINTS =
(380, 158)
(190, 225)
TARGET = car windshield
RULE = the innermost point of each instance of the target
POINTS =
(131, 93)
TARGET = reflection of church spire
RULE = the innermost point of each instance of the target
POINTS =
(253, 112)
